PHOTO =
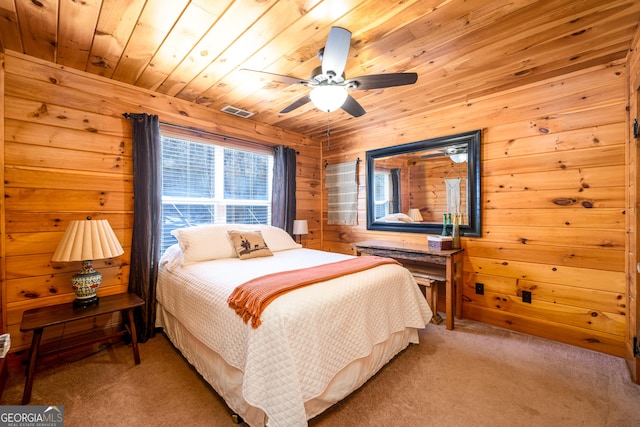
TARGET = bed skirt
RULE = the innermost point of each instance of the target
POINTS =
(226, 380)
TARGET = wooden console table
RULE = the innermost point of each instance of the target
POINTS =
(441, 266)
(39, 318)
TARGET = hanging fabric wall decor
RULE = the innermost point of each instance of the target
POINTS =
(342, 187)
(453, 195)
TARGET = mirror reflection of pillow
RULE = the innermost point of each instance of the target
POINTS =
(396, 217)
(249, 244)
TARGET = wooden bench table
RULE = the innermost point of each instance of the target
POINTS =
(428, 267)
(39, 318)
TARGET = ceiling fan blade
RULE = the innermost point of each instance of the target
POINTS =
(336, 51)
(295, 104)
(379, 81)
(353, 107)
(279, 77)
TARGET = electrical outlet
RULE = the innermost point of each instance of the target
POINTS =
(526, 296)
(480, 288)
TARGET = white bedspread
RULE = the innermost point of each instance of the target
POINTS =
(306, 336)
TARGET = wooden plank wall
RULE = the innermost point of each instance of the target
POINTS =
(428, 185)
(633, 219)
(553, 204)
(68, 155)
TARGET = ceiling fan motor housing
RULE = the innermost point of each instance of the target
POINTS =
(319, 78)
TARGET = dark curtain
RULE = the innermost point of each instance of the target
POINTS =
(395, 191)
(283, 201)
(147, 187)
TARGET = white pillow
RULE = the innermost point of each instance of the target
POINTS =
(396, 217)
(205, 242)
(211, 241)
(172, 257)
(277, 239)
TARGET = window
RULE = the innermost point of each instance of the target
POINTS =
(382, 193)
(386, 191)
(212, 182)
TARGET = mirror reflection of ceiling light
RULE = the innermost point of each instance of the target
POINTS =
(328, 98)
(458, 158)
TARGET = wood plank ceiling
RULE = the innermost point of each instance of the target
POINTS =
(194, 49)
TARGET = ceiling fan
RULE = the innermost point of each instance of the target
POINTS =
(457, 153)
(329, 85)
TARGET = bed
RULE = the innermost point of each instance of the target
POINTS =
(314, 345)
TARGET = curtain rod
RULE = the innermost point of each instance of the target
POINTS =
(224, 137)
(326, 163)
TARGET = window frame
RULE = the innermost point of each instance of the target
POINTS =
(218, 201)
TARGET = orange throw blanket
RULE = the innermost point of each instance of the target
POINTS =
(251, 298)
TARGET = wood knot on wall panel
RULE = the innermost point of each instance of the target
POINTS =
(565, 201)
(41, 111)
(607, 245)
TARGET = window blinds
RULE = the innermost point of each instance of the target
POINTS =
(205, 183)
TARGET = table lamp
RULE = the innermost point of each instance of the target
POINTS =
(300, 227)
(87, 240)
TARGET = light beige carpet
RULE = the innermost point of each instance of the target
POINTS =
(475, 375)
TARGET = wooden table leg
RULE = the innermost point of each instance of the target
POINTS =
(449, 285)
(457, 277)
(436, 319)
(31, 367)
(134, 337)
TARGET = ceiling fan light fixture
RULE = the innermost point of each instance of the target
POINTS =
(328, 83)
(458, 158)
(328, 98)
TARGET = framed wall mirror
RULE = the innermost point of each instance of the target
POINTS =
(414, 187)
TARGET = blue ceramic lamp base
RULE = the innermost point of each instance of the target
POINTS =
(86, 284)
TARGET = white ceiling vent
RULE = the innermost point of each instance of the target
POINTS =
(237, 111)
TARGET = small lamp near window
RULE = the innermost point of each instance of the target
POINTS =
(87, 240)
(415, 215)
(300, 227)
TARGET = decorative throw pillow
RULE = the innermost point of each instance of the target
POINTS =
(249, 244)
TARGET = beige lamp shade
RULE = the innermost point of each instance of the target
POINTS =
(300, 226)
(415, 215)
(88, 240)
